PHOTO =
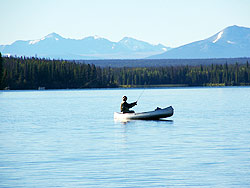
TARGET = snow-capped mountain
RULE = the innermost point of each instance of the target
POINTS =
(140, 46)
(93, 47)
(233, 41)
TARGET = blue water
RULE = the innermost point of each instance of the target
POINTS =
(68, 138)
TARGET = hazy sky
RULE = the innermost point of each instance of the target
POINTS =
(170, 22)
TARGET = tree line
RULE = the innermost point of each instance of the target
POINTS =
(202, 75)
(32, 73)
(162, 62)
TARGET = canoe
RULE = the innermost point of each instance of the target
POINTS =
(151, 115)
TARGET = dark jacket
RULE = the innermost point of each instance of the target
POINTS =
(126, 106)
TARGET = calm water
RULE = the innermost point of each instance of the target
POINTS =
(68, 138)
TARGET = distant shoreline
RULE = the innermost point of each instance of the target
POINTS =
(136, 87)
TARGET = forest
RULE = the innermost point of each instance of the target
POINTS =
(18, 73)
(162, 62)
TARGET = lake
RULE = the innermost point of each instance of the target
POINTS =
(68, 138)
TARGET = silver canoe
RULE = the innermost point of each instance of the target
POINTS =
(151, 115)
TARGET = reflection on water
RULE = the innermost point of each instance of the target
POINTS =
(124, 121)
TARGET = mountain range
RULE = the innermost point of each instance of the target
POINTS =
(231, 42)
(56, 47)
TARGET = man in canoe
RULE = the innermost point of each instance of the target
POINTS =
(126, 106)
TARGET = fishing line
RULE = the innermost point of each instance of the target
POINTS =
(140, 94)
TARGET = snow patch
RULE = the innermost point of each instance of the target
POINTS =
(230, 42)
(218, 37)
(164, 49)
(97, 37)
(34, 41)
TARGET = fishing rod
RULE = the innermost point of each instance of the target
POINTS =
(140, 94)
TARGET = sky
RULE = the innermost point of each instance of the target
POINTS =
(170, 22)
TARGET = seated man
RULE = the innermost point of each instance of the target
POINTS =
(126, 106)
